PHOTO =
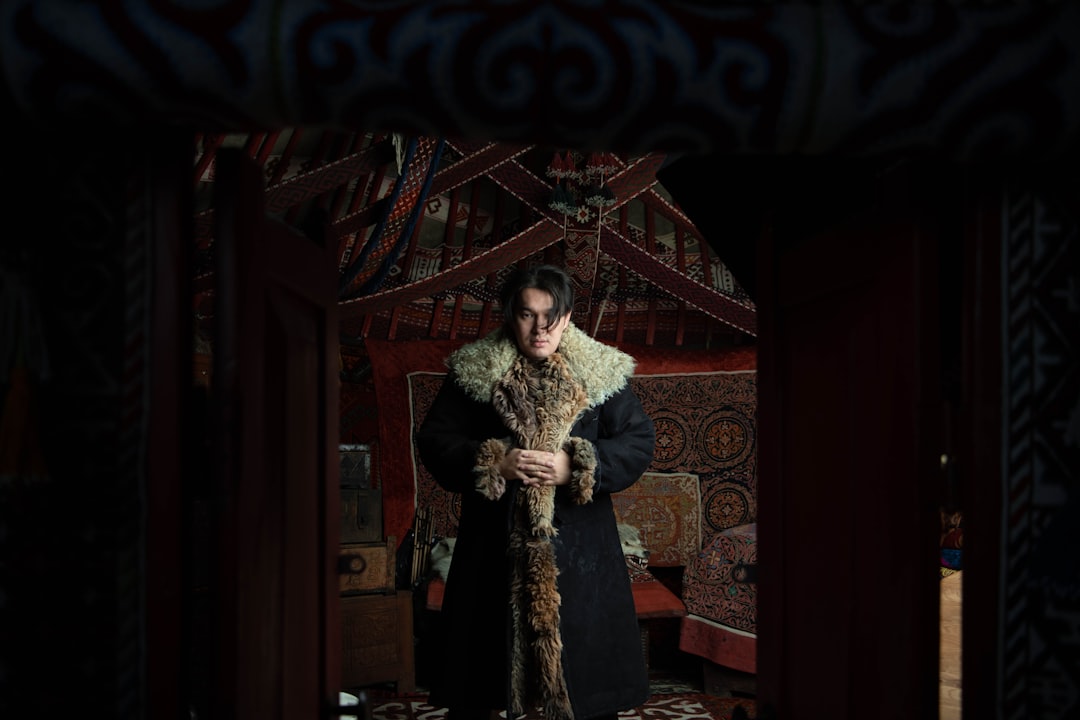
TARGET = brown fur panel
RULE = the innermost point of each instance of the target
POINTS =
(539, 403)
(544, 601)
(582, 469)
(511, 398)
(560, 401)
(519, 612)
(536, 673)
(541, 503)
(489, 481)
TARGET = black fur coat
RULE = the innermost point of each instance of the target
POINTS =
(538, 610)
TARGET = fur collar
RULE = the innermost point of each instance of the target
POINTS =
(602, 370)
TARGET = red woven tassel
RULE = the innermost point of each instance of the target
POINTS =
(556, 168)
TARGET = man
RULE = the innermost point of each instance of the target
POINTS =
(536, 425)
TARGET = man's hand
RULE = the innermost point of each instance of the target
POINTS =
(536, 467)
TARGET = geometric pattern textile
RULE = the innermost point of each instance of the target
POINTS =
(719, 584)
(720, 594)
(666, 510)
(383, 78)
(669, 700)
(445, 506)
(1039, 575)
(705, 424)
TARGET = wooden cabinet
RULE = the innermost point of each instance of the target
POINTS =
(378, 640)
(368, 567)
(376, 619)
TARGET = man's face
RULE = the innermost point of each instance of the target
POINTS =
(537, 336)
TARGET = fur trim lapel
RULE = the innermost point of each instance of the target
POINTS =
(539, 404)
(602, 370)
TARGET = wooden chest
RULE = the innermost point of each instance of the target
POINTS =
(378, 640)
(361, 515)
(361, 499)
(368, 567)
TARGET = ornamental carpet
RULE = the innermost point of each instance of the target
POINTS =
(671, 700)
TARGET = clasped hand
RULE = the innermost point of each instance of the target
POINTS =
(536, 467)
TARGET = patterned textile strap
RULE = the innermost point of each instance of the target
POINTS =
(529, 241)
(393, 230)
(741, 315)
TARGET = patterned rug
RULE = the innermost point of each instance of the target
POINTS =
(671, 700)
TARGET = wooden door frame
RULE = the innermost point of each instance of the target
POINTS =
(170, 227)
(900, 210)
(270, 278)
(978, 432)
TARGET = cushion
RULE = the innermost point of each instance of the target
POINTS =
(721, 600)
(666, 510)
(719, 585)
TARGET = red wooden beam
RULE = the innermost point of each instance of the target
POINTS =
(531, 240)
(738, 314)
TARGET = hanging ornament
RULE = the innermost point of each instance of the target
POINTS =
(572, 173)
(563, 167)
(562, 199)
(557, 167)
(601, 165)
(599, 196)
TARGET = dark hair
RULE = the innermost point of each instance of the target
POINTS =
(549, 278)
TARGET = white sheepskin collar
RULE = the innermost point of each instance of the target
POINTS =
(601, 369)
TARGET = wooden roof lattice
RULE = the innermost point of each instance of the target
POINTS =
(425, 228)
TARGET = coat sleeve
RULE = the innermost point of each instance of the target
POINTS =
(625, 442)
(450, 436)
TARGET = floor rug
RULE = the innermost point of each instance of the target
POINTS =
(670, 702)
